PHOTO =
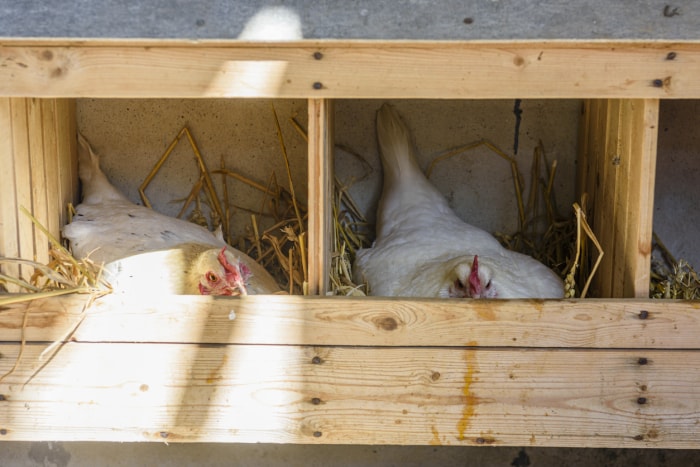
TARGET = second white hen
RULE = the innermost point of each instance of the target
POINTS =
(148, 252)
(422, 249)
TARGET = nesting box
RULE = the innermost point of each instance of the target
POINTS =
(616, 371)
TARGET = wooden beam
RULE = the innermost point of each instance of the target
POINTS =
(320, 194)
(350, 69)
(9, 232)
(67, 152)
(345, 395)
(643, 115)
(297, 320)
(619, 164)
(36, 162)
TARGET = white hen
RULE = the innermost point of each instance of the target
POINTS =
(148, 252)
(423, 249)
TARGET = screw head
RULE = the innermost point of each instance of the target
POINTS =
(317, 85)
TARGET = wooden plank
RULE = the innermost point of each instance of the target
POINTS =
(373, 321)
(9, 240)
(37, 177)
(320, 194)
(23, 187)
(606, 193)
(621, 160)
(623, 146)
(345, 69)
(643, 136)
(598, 127)
(66, 132)
(345, 395)
(50, 149)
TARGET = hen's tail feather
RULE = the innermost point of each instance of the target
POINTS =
(395, 145)
(96, 188)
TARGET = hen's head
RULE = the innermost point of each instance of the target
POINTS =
(219, 272)
(472, 281)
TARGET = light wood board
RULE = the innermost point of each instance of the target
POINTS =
(296, 320)
(347, 69)
(348, 395)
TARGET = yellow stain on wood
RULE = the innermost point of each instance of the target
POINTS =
(469, 398)
(436, 437)
(215, 374)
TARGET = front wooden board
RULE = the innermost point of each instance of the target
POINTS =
(371, 371)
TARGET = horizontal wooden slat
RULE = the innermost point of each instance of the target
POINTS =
(360, 321)
(346, 69)
(449, 396)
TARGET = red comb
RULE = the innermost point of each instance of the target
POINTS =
(234, 275)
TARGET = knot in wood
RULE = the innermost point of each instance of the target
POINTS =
(386, 323)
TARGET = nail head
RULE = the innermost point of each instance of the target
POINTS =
(317, 85)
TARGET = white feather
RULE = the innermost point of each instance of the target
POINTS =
(142, 249)
(422, 247)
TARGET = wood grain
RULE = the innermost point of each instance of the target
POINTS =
(449, 396)
(619, 163)
(350, 69)
(66, 131)
(9, 234)
(296, 320)
(22, 174)
(320, 194)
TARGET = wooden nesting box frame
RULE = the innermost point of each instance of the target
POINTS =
(614, 372)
